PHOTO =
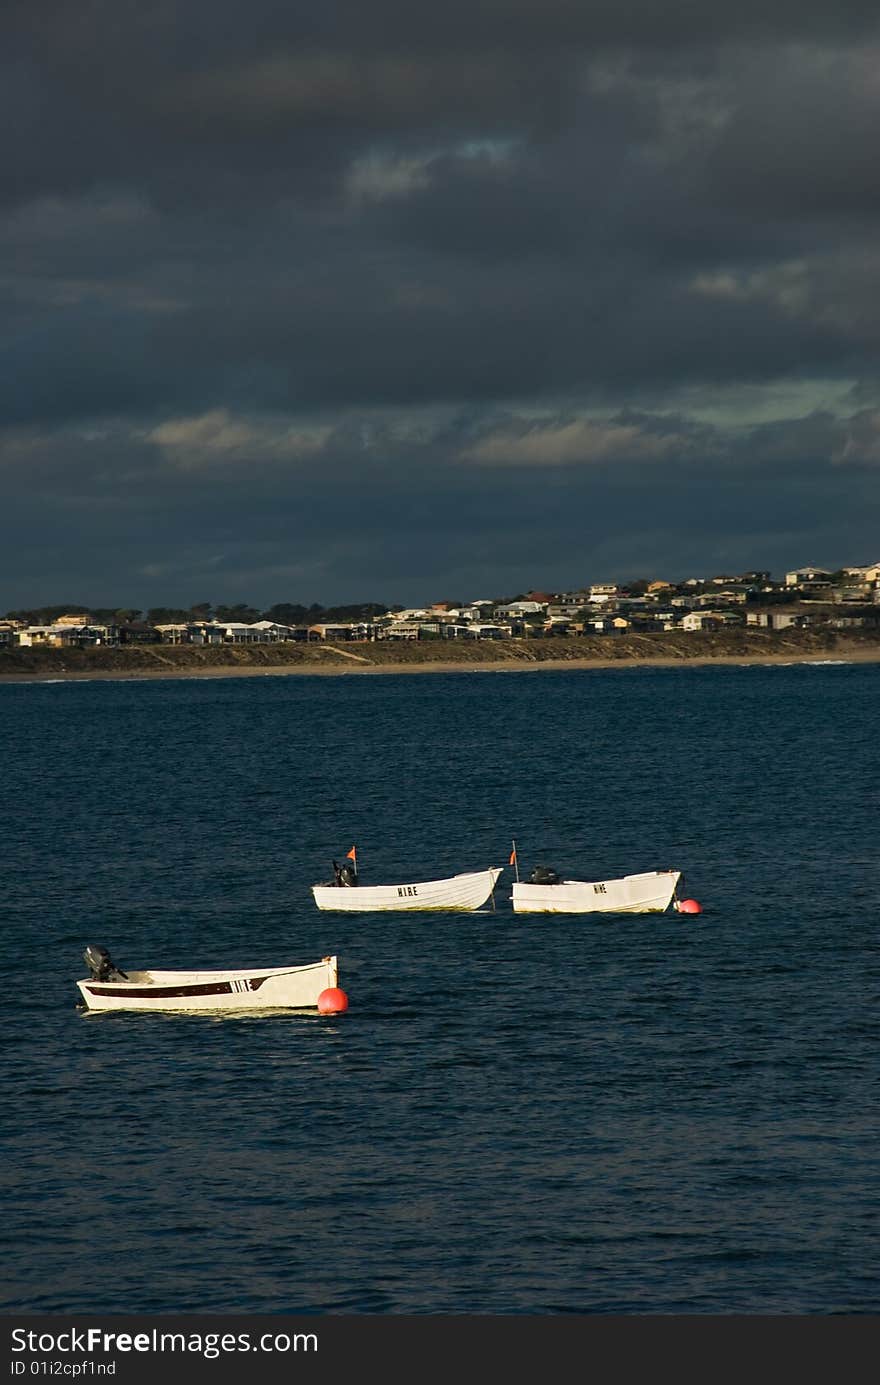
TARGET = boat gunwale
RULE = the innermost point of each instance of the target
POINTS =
(399, 897)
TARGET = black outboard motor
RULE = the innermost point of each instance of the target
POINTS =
(543, 875)
(101, 966)
(347, 875)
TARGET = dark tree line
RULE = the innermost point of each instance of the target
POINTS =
(283, 613)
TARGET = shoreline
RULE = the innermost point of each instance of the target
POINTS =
(833, 656)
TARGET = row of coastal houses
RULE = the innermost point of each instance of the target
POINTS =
(808, 597)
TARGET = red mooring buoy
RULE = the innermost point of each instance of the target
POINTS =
(688, 906)
(333, 1001)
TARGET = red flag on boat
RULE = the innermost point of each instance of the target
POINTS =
(352, 855)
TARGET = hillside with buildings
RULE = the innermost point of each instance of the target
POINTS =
(810, 612)
(326, 657)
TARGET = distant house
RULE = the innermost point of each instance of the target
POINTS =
(776, 618)
(63, 636)
(565, 610)
(856, 618)
(273, 631)
(348, 630)
(870, 573)
(802, 575)
(81, 636)
(798, 614)
(710, 620)
(239, 632)
(207, 632)
(254, 632)
(175, 633)
(194, 632)
(653, 620)
(733, 595)
(82, 618)
(520, 608)
(607, 625)
(138, 632)
(858, 592)
(35, 636)
(410, 613)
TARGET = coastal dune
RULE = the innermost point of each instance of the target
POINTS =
(441, 656)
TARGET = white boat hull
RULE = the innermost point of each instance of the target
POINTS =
(251, 988)
(462, 892)
(652, 892)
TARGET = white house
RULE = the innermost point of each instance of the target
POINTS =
(806, 574)
(709, 620)
(237, 632)
(273, 630)
(870, 573)
(520, 608)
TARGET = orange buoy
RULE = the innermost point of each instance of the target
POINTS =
(688, 906)
(332, 1001)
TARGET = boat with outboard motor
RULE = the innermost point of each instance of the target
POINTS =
(648, 892)
(467, 892)
(309, 987)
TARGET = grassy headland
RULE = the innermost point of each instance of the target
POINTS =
(392, 656)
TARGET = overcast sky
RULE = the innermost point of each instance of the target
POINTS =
(397, 302)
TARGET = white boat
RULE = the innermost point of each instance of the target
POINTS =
(309, 987)
(458, 892)
(651, 892)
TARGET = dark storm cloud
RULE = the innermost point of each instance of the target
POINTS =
(403, 330)
(218, 512)
(479, 536)
(109, 90)
(453, 269)
(797, 144)
(186, 99)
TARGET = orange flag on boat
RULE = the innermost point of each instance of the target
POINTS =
(352, 855)
(512, 861)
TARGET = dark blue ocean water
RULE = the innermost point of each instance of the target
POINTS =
(516, 1115)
